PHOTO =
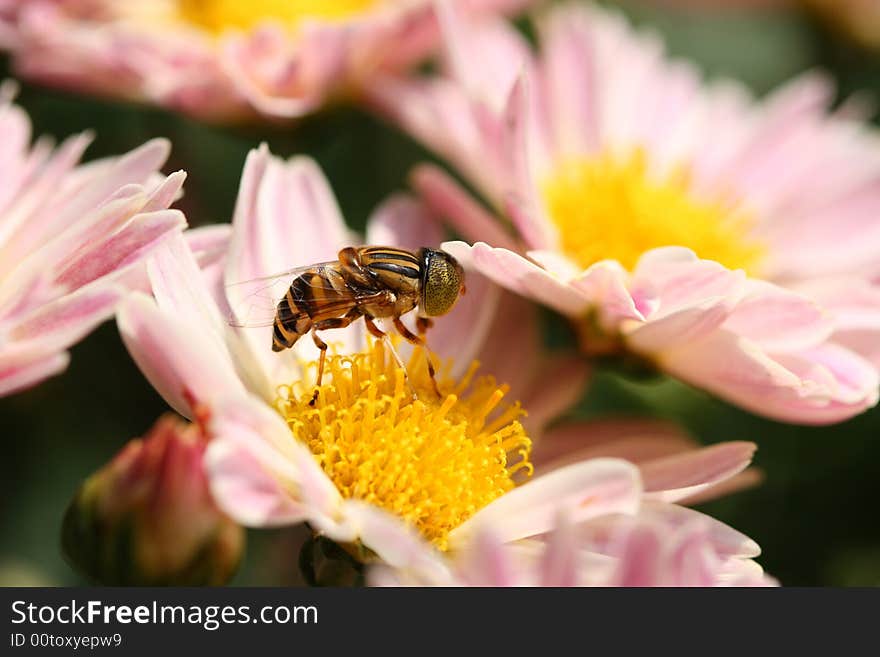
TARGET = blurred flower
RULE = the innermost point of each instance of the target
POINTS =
(730, 243)
(69, 236)
(673, 466)
(147, 518)
(857, 19)
(366, 444)
(224, 59)
(659, 544)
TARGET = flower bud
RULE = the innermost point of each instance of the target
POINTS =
(147, 518)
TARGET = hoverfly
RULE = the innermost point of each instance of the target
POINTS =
(369, 282)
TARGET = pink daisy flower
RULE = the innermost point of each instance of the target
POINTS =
(347, 464)
(730, 242)
(222, 60)
(71, 236)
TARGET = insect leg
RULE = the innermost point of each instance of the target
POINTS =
(324, 324)
(320, 344)
(411, 337)
(376, 331)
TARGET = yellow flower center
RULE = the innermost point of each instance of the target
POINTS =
(613, 208)
(433, 462)
(221, 15)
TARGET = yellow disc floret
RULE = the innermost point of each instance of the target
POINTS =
(221, 15)
(610, 207)
(433, 462)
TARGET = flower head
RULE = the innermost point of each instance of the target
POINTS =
(70, 237)
(730, 242)
(364, 448)
(148, 518)
(222, 60)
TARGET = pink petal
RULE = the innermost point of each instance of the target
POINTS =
(638, 556)
(174, 356)
(209, 243)
(180, 290)
(449, 201)
(522, 203)
(559, 563)
(725, 540)
(678, 280)
(519, 275)
(485, 562)
(246, 491)
(854, 381)
(632, 440)
(168, 191)
(779, 320)
(589, 489)
(127, 246)
(674, 477)
(568, 64)
(818, 386)
(67, 320)
(17, 375)
(679, 328)
(690, 559)
(606, 286)
(743, 481)
(394, 542)
(255, 426)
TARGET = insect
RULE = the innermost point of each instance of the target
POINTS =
(369, 282)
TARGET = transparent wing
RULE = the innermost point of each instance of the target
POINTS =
(255, 302)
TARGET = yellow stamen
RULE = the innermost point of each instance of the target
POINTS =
(220, 15)
(434, 462)
(613, 208)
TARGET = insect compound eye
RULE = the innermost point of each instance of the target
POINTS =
(444, 278)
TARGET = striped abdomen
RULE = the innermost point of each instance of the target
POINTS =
(314, 295)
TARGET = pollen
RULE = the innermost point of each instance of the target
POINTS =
(221, 15)
(432, 461)
(612, 207)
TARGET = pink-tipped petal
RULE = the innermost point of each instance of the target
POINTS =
(486, 562)
(17, 375)
(559, 563)
(779, 320)
(519, 275)
(174, 357)
(672, 478)
(588, 489)
(127, 246)
(745, 480)
(59, 324)
(245, 490)
(725, 540)
(180, 290)
(638, 554)
(448, 200)
(394, 542)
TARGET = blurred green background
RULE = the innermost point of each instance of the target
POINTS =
(815, 515)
